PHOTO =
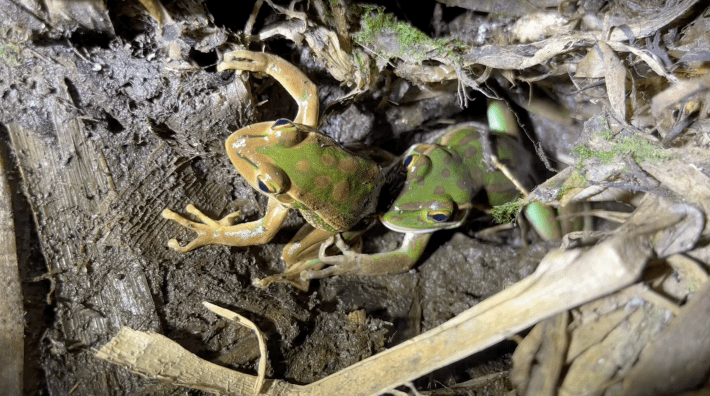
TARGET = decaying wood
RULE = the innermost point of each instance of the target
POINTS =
(12, 323)
(97, 209)
(154, 355)
(685, 344)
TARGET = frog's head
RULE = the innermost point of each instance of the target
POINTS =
(437, 193)
(306, 170)
(253, 151)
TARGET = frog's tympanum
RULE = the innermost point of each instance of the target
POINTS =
(294, 165)
(442, 180)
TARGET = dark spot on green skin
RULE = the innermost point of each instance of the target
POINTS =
(467, 139)
(457, 159)
(421, 183)
(461, 184)
(445, 173)
(447, 160)
(439, 190)
(470, 152)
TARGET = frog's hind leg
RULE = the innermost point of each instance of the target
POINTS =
(306, 256)
(355, 263)
(300, 253)
(303, 91)
(305, 244)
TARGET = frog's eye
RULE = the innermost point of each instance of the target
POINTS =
(282, 122)
(270, 179)
(265, 186)
(288, 133)
(270, 185)
(439, 216)
(410, 161)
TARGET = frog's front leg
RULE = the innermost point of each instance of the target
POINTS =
(350, 262)
(223, 232)
(303, 91)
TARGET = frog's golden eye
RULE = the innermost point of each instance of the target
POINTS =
(439, 216)
(410, 161)
(287, 133)
(281, 124)
(266, 186)
(271, 179)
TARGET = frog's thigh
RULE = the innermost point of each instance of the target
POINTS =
(305, 244)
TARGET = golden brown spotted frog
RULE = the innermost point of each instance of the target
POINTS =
(294, 165)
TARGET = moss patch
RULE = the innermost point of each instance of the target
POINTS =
(505, 213)
(639, 148)
(410, 40)
(574, 181)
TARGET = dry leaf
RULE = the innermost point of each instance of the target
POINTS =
(615, 79)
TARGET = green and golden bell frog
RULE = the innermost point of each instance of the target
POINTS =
(442, 180)
(295, 166)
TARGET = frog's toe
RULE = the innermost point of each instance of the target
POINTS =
(191, 209)
(323, 247)
(244, 60)
(331, 260)
(168, 214)
(228, 220)
(320, 274)
(238, 66)
(296, 282)
(189, 224)
(340, 243)
(175, 245)
(194, 244)
(261, 283)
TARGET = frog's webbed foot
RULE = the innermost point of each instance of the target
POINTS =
(206, 230)
(346, 263)
(291, 276)
(245, 60)
(340, 243)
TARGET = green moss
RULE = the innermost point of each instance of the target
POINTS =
(583, 153)
(693, 287)
(359, 60)
(410, 40)
(607, 134)
(373, 23)
(640, 149)
(506, 212)
(459, 45)
(328, 15)
(574, 181)
(564, 190)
